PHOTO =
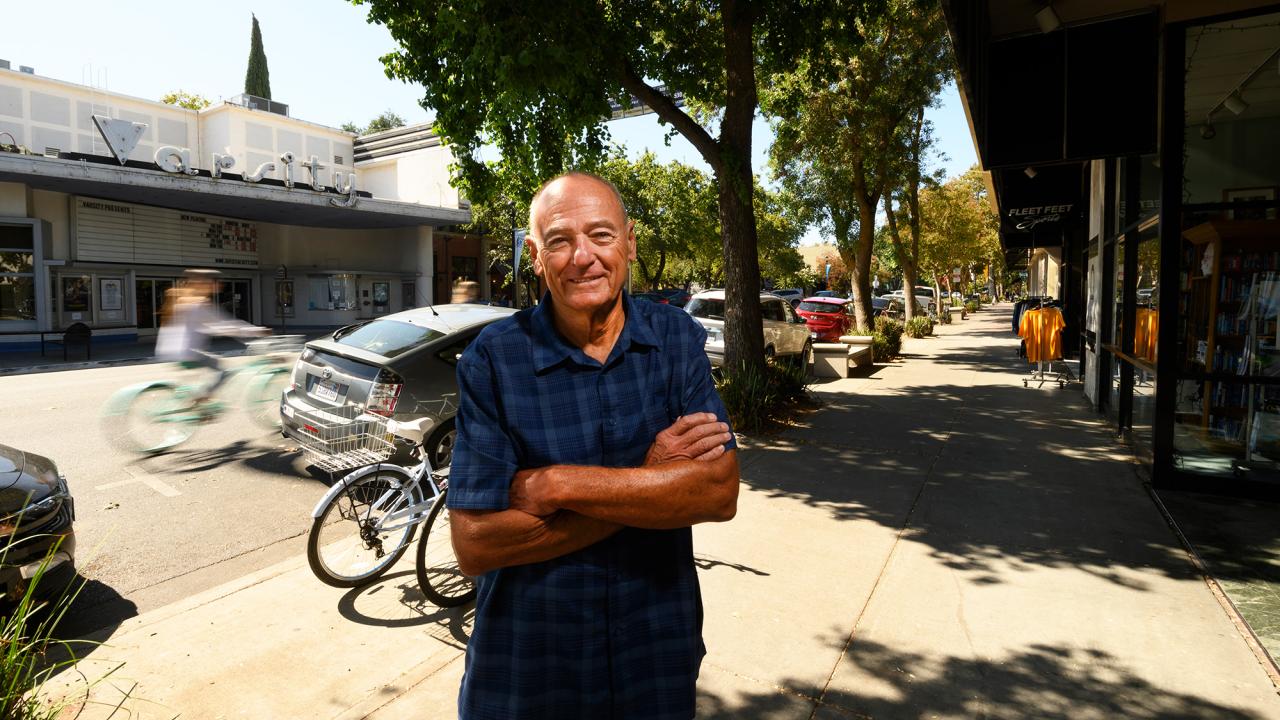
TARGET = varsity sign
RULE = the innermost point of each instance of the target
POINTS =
(122, 137)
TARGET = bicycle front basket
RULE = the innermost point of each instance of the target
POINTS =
(343, 438)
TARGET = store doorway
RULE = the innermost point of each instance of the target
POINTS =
(233, 299)
(149, 297)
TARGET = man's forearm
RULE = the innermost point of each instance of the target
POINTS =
(669, 495)
(488, 540)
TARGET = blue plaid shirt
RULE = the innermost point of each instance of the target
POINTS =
(613, 630)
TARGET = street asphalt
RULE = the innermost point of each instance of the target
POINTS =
(936, 541)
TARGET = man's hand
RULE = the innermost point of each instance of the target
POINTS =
(528, 493)
(692, 437)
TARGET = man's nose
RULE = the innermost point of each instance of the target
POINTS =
(583, 253)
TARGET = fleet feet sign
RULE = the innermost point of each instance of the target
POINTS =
(122, 137)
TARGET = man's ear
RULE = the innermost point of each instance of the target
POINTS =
(531, 245)
(631, 240)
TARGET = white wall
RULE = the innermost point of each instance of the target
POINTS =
(42, 112)
(420, 176)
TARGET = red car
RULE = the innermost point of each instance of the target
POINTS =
(827, 317)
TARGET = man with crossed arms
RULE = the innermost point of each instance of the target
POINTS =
(590, 439)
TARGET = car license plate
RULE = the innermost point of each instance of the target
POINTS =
(325, 390)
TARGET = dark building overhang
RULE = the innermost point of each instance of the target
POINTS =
(1036, 211)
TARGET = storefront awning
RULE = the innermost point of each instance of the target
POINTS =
(1036, 210)
(228, 196)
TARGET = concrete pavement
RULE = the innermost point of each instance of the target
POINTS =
(936, 541)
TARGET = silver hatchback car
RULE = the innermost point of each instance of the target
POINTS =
(401, 366)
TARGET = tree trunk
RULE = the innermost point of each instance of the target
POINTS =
(662, 266)
(867, 197)
(744, 338)
(906, 258)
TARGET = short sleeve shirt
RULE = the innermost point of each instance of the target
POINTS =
(613, 630)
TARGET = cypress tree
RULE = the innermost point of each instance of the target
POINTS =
(257, 80)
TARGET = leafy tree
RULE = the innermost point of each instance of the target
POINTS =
(257, 79)
(673, 206)
(182, 98)
(781, 220)
(959, 229)
(838, 138)
(535, 80)
(352, 127)
(388, 120)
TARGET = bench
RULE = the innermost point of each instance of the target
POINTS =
(836, 359)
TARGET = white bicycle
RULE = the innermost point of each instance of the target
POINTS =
(367, 520)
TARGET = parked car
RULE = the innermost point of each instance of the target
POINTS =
(896, 308)
(925, 302)
(675, 296)
(786, 335)
(827, 317)
(652, 297)
(827, 294)
(791, 295)
(878, 304)
(401, 366)
(36, 511)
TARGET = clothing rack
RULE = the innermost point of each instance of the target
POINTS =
(1045, 366)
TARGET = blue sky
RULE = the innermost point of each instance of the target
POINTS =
(322, 54)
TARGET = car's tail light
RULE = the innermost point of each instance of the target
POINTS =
(385, 393)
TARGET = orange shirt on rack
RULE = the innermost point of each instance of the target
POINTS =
(1146, 330)
(1041, 328)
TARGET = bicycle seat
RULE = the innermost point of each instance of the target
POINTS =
(414, 430)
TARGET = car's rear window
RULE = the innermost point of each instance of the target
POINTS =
(705, 308)
(819, 307)
(387, 338)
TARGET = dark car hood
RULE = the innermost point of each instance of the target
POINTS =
(12, 461)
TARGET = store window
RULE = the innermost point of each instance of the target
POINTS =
(17, 274)
(333, 292)
(1227, 420)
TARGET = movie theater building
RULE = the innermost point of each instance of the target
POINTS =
(105, 199)
(1133, 149)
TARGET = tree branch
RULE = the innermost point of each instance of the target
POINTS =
(667, 109)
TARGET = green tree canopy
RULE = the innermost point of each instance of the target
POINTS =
(536, 80)
(959, 228)
(182, 98)
(257, 79)
(838, 124)
(388, 120)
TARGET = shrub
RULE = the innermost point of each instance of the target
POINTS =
(753, 398)
(971, 306)
(30, 653)
(919, 327)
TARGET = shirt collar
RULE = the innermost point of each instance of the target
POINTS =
(550, 348)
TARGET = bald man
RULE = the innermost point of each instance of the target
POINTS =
(590, 440)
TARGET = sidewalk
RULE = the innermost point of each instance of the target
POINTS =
(937, 541)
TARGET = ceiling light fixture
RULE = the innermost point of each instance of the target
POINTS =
(1235, 103)
(1030, 172)
(1047, 19)
(1207, 132)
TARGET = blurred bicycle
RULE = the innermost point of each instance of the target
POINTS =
(158, 415)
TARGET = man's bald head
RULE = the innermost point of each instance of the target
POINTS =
(533, 204)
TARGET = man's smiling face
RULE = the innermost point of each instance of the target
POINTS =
(581, 243)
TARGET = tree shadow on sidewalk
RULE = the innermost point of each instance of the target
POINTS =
(992, 478)
(1039, 681)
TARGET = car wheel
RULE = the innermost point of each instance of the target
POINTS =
(440, 445)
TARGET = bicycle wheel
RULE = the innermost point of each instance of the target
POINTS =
(347, 546)
(262, 401)
(154, 419)
(438, 574)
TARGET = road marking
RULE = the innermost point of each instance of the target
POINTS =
(154, 483)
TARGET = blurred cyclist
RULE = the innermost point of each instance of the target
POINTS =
(188, 321)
